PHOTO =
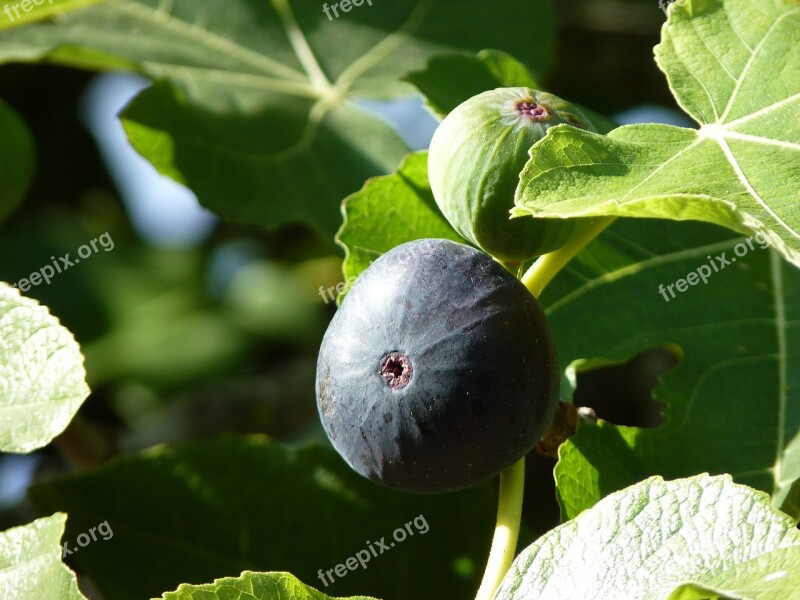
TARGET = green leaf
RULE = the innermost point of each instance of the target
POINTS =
(595, 462)
(254, 155)
(791, 503)
(42, 380)
(729, 404)
(215, 508)
(739, 169)
(16, 159)
(390, 211)
(275, 586)
(654, 537)
(255, 106)
(450, 79)
(30, 562)
(771, 575)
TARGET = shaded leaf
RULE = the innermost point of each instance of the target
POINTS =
(729, 404)
(16, 159)
(209, 509)
(791, 503)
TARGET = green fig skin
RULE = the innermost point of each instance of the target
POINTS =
(475, 159)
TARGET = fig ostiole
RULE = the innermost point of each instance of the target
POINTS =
(438, 370)
(475, 159)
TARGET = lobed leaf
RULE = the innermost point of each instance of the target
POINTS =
(255, 108)
(734, 66)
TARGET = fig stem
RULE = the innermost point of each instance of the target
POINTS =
(512, 479)
(506, 532)
(547, 267)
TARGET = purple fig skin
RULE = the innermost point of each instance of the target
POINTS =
(438, 371)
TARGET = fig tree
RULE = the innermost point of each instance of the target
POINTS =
(438, 370)
(476, 156)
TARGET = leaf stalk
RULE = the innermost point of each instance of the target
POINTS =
(548, 266)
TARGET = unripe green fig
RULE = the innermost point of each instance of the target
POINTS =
(475, 159)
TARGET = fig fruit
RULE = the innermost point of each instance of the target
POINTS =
(475, 159)
(438, 370)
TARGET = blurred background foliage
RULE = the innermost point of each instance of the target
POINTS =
(194, 327)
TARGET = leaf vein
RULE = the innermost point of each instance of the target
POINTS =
(754, 54)
(211, 40)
